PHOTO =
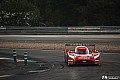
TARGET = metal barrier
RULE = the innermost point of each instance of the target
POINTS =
(60, 30)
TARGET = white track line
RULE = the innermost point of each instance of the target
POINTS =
(5, 76)
(74, 36)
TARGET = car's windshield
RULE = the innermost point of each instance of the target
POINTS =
(81, 51)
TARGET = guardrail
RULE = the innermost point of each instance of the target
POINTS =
(60, 30)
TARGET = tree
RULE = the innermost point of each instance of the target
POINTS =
(60, 12)
(19, 13)
(101, 12)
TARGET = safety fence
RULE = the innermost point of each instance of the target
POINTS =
(60, 30)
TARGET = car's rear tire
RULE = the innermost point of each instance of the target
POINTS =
(66, 58)
(97, 64)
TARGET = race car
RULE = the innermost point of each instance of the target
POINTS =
(81, 55)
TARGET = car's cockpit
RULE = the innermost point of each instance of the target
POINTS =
(81, 50)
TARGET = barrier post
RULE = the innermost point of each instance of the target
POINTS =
(25, 58)
(14, 55)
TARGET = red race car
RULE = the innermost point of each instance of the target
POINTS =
(81, 55)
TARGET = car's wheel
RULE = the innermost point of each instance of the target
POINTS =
(98, 64)
(69, 64)
(65, 58)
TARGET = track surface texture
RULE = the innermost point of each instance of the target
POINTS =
(110, 66)
(99, 38)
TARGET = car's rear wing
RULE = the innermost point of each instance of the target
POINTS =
(80, 45)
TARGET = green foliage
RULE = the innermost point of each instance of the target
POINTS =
(59, 12)
(102, 12)
(19, 13)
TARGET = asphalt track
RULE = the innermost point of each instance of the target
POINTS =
(100, 38)
(110, 62)
(110, 67)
